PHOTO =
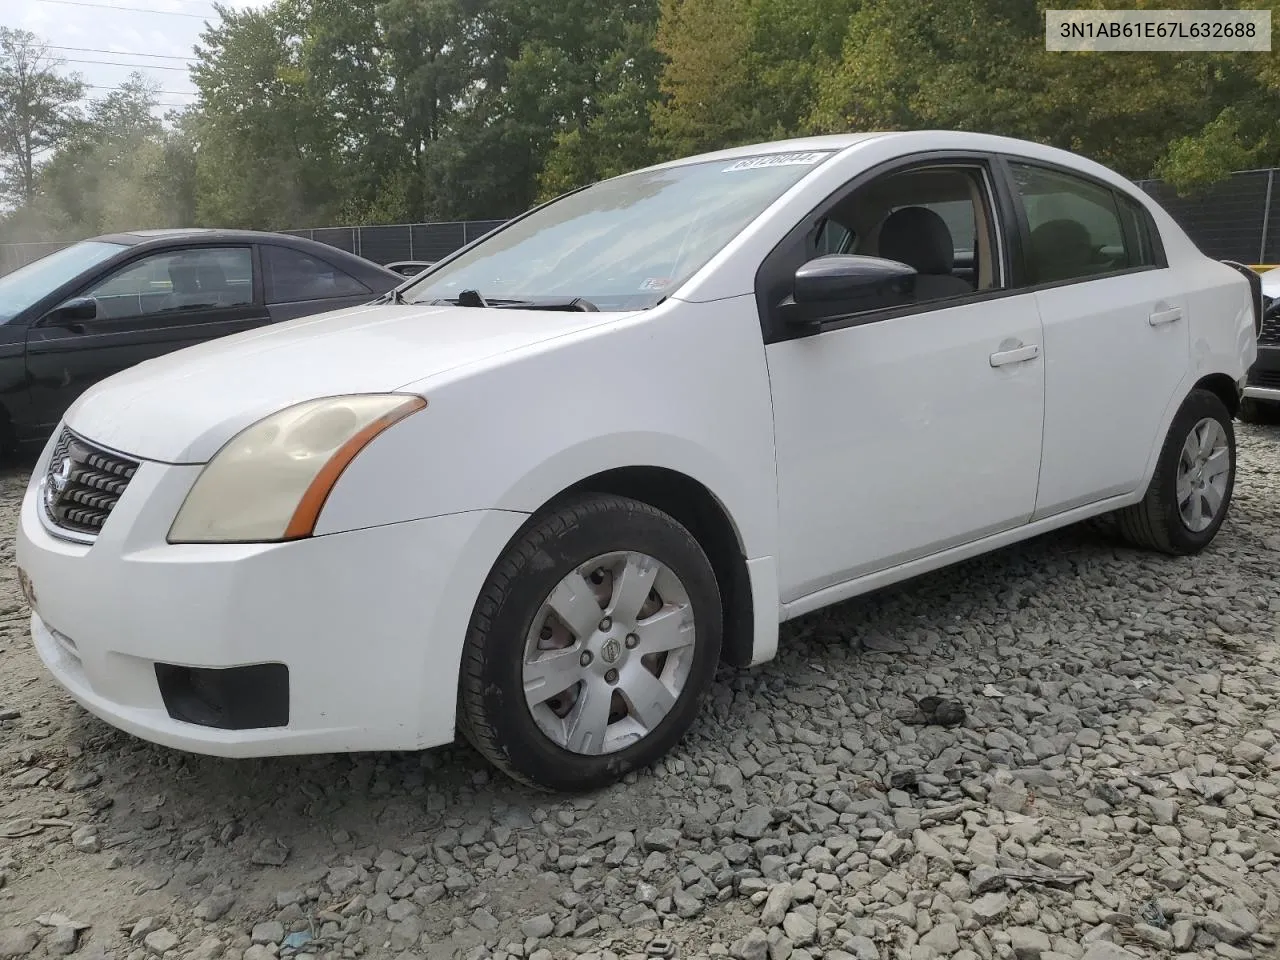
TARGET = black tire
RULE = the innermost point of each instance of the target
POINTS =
(492, 712)
(1257, 411)
(1155, 522)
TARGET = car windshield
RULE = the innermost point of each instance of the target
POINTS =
(27, 285)
(621, 244)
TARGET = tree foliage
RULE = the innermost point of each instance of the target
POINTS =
(37, 110)
(364, 111)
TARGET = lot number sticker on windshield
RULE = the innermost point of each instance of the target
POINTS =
(776, 160)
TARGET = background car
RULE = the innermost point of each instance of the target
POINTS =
(1261, 403)
(410, 268)
(83, 313)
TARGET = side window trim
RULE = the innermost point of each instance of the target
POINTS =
(774, 330)
(1022, 236)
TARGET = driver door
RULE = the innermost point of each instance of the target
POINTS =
(149, 307)
(906, 431)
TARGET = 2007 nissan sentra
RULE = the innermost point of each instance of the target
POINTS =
(538, 492)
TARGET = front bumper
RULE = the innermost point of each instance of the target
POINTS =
(1263, 381)
(369, 623)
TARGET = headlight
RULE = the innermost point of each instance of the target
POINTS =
(271, 480)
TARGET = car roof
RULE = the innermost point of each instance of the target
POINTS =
(134, 237)
(335, 255)
(943, 139)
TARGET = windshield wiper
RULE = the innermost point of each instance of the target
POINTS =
(473, 298)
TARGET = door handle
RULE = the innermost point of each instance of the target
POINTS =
(1016, 355)
(1165, 316)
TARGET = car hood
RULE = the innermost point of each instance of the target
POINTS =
(182, 407)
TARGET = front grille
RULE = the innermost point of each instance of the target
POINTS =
(84, 483)
(1270, 333)
(1264, 378)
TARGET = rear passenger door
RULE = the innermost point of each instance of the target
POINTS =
(1116, 334)
(298, 284)
(150, 306)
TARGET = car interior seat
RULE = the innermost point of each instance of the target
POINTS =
(921, 239)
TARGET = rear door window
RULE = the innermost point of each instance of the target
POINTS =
(295, 277)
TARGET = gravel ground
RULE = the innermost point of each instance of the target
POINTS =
(1111, 793)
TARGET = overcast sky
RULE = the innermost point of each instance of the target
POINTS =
(164, 30)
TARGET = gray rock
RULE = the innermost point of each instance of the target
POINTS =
(776, 905)
(1156, 937)
(990, 906)
(754, 822)
(1106, 950)
(800, 930)
(863, 948)
(341, 879)
(62, 941)
(85, 839)
(271, 931)
(1163, 809)
(1028, 943)
(1184, 934)
(754, 946)
(270, 853)
(1010, 797)
(214, 907)
(406, 934)
(727, 777)
(484, 921)
(539, 927)
(17, 942)
(942, 938)
(1223, 929)
(663, 839)
(160, 941)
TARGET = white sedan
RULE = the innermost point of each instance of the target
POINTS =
(542, 489)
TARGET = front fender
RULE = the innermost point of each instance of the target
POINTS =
(686, 390)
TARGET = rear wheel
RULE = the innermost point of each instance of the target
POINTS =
(591, 645)
(1190, 493)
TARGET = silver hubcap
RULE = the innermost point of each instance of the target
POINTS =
(1203, 468)
(609, 653)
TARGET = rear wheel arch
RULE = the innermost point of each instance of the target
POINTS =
(1224, 388)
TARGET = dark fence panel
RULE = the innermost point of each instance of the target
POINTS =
(1226, 220)
(431, 241)
(385, 244)
(1272, 226)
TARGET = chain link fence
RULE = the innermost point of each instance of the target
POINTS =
(1235, 219)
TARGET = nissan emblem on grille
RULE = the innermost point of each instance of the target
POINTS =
(83, 484)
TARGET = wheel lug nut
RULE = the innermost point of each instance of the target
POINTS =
(632, 641)
(611, 676)
(606, 623)
(585, 659)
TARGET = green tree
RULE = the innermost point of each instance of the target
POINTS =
(265, 145)
(38, 108)
(738, 71)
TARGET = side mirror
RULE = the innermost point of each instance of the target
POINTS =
(840, 284)
(74, 311)
(841, 277)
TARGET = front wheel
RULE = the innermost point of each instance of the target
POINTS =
(591, 645)
(1190, 493)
